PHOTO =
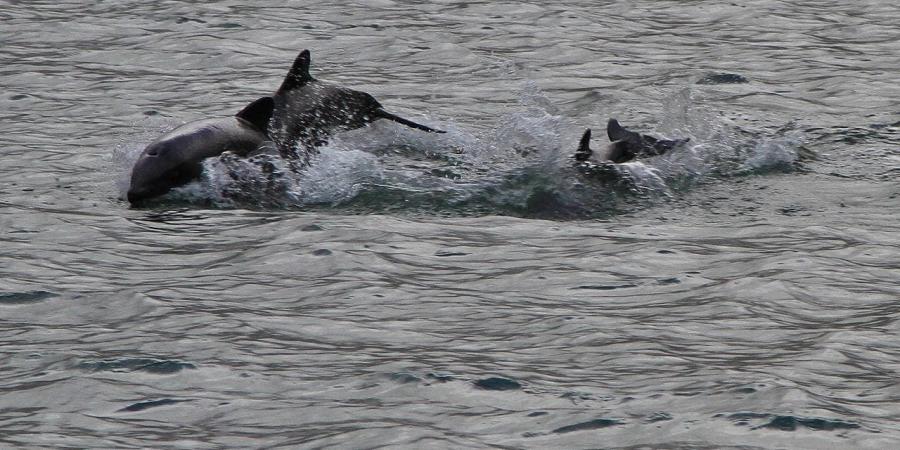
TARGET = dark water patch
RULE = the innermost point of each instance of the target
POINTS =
(605, 287)
(538, 414)
(576, 396)
(25, 298)
(440, 377)
(791, 423)
(322, 252)
(793, 210)
(312, 227)
(183, 19)
(498, 384)
(595, 424)
(658, 417)
(853, 135)
(148, 365)
(145, 405)
(787, 422)
(445, 173)
(405, 378)
(667, 281)
(18, 97)
(723, 78)
(446, 253)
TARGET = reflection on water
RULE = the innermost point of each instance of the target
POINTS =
(406, 290)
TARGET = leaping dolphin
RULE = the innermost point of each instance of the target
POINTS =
(176, 158)
(625, 145)
(307, 111)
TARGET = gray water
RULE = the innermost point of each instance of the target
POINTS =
(466, 290)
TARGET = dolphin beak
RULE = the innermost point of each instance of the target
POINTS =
(382, 114)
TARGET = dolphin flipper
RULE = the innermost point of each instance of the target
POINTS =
(382, 114)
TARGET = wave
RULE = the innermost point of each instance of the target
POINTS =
(521, 166)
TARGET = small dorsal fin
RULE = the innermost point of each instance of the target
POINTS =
(615, 131)
(258, 113)
(299, 73)
(584, 151)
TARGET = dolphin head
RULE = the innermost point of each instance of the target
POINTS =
(165, 164)
(176, 158)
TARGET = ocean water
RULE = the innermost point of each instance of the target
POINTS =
(464, 290)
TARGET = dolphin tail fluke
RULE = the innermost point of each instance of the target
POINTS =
(584, 151)
(382, 114)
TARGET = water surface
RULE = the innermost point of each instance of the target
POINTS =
(467, 290)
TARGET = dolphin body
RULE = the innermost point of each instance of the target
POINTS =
(175, 158)
(308, 111)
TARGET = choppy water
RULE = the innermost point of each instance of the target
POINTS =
(465, 290)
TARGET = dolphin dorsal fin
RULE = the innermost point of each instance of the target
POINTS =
(299, 73)
(584, 151)
(258, 112)
(615, 131)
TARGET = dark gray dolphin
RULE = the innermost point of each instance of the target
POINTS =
(625, 145)
(176, 158)
(308, 111)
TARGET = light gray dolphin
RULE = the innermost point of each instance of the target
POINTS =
(176, 158)
(625, 145)
(308, 111)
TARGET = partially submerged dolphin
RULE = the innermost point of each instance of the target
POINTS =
(625, 145)
(176, 158)
(308, 111)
